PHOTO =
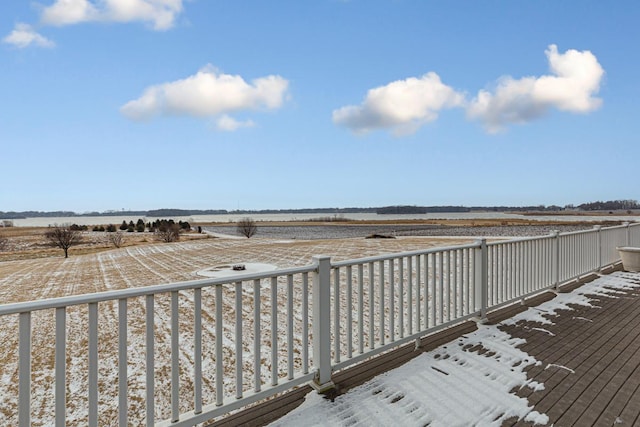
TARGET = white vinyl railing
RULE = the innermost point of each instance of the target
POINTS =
(238, 340)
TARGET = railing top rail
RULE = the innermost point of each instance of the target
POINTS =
(27, 306)
(385, 257)
(614, 227)
(587, 231)
(521, 239)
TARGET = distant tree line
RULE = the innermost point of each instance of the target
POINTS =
(611, 205)
(158, 213)
(403, 210)
(139, 226)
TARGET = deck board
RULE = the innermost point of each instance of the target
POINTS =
(601, 386)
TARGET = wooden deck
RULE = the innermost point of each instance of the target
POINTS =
(590, 367)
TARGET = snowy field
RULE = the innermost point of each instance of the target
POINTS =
(456, 384)
(137, 266)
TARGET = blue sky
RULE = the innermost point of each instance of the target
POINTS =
(205, 104)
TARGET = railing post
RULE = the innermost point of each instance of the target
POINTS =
(322, 324)
(481, 282)
(555, 267)
(628, 225)
(597, 228)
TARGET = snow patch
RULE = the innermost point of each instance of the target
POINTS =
(475, 390)
(544, 330)
(611, 286)
(555, 365)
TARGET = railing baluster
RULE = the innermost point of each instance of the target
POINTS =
(219, 362)
(401, 297)
(349, 325)
(410, 293)
(522, 268)
(274, 331)
(535, 262)
(381, 306)
(539, 245)
(24, 370)
(336, 315)
(495, 272)
(150, 361)
(454, 285)
(360, 308)
(123, 406)
(392, 302)
(238, 338)
(467, 278)
(371, 306)
(197, 350)
(441, 287)
(175, 357)
(61, 366)
(257, 303)
(418, 287)
(504, 275)
(430, 288)
(512, 276)
(93, 365)
(460, 287)
(530, 261)
(449, 284)
(290, 326)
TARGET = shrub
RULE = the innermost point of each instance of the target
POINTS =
(247, 227)
(116, 239)
(168, 233)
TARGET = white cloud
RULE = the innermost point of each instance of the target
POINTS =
(575, 79)
(229, 124)
(23, 35)
(402, 105)
(161, 14)
(209, 93)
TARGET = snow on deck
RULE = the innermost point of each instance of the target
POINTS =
(470, 381)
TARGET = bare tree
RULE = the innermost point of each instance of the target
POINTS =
(116, 239)
(168, 233)
(247, 227)
(63, 236)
